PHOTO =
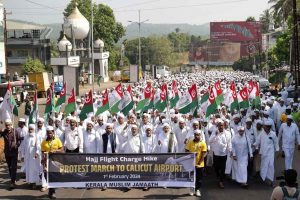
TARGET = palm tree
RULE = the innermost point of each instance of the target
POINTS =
(281, 10)
(266, 19)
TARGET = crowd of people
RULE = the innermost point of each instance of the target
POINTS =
(237, 143)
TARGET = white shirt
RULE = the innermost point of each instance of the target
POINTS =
(251, 135)
(289, 135)
(133, 145)
(220, 144)
(267, 143)
(73, 139)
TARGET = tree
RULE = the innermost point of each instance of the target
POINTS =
(34, 65)
(180, 41)
(266, 19)
(155, 50)
(250, 19)
(105, 25)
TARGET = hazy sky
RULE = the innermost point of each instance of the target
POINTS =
(157, 11)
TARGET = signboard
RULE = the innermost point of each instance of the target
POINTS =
(215, 53)
(72, 61)
(134, 71)
(2, 45)
(121, 170)
(235, 31)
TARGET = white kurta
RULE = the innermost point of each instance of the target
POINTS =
(32, 164)
(268, 145)
(150, 144)
(241, 148)
(289, 136)
(91, 142)
(133, 145)
(73, 139)
(164, 139)
(181, 137)
(121, 132)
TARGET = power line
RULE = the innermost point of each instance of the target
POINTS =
(183, 6)
(138, 4)
(42, 5)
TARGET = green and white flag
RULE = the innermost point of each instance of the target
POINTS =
(126, 104)
(105, 104)
(243, 98)
(146, 102)
(114, 99)
(62, 98)
(33, 114)
(175, 95)
(212, 105)
(160, 99)
(9, 105)
(71, 106)
(189, 101)
(88, 106)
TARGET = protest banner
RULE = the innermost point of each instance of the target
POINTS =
(121, 170)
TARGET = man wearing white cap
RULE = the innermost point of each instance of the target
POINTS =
(249, 132)
(73, 138)
(109, 142)
(145, 122)
(181, 132)
(41, 130)
(134, 142)
(258, 129)
(100, 127)
(268, 119)
(267, 143)
(30, 153)
(289, 135)
(280, 110)
(91, 140)
(58, 130)
(149, 141)
(241, 150)
(235, 123)
(119, 128)
(220, 144)
(22, 131)
(167, 142)
(12, 142)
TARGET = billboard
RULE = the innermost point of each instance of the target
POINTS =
(2, 46)
(215, 53)
(235, 31)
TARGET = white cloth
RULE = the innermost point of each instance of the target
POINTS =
(32, 164)
(164, 139)
(73, 139)
(241, 148)
(181, 135)
(133, 145)
(91, 142)
(119, 130)
(150, 144)
(220, 144)
(267, 145)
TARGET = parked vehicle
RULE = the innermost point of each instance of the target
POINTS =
(58, 86)
(20, 90)
(264, 84)
(43, 80)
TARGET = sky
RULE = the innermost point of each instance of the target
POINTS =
(156, 11)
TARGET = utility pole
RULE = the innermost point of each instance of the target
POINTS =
(139, 47)
(92, 45)
(295, 46)
(5, 36)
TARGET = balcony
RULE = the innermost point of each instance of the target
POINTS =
(27, 41)
(16, 60)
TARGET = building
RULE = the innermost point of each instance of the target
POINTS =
(24, 41)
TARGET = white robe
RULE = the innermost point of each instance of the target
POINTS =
(121, 132)
(241, 148)
(268, 145)
(32, 164)
(164, 139)
(150, 144)
(133, 145)
(91, 142)
(181, 137)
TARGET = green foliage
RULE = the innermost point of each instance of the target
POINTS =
(246, 63)
(277, 78)
(33, 65)
(105, 25)
(180, 41)
(265, 20)
(250, 19)
(155, 50)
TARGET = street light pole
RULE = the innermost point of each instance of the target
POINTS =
(92, 45)
(140, 50)
(139, 47)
